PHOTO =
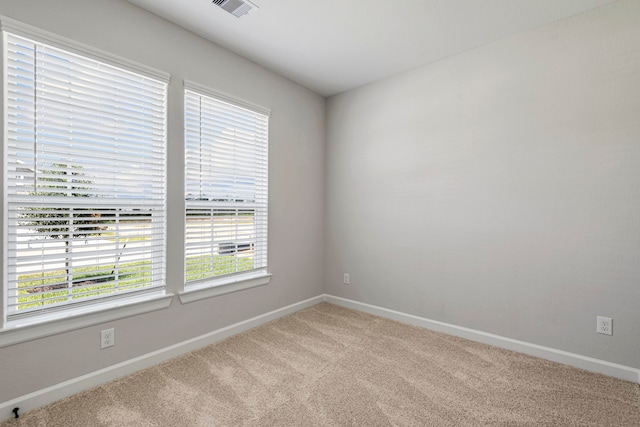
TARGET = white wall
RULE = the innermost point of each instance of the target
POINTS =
(296, 189)
(499, 189)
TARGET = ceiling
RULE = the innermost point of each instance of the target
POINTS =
(331, 46)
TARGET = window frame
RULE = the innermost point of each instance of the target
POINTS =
(28, 328)
(224, 284)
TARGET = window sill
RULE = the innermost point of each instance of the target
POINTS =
(20, 331)
(224, 286)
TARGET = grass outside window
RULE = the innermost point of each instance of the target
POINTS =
(37, 290)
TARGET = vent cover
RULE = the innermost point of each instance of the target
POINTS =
(237, 8)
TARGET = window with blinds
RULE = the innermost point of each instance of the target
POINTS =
(84, 180)
(226, 145)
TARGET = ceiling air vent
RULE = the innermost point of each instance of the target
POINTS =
(237, 8)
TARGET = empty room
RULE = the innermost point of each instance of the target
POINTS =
(320, 213)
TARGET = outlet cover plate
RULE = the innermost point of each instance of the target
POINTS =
(107, 338)
(605, 325)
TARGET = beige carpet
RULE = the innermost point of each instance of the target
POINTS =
(329, 366)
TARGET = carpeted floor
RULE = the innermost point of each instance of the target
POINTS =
(330, 366)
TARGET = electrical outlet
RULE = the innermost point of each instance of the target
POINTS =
(605, 325)
(347, 278)
(107, 338)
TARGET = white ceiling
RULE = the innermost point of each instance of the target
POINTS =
(331, 46)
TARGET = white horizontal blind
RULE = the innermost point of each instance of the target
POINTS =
(225, 188)
(85, 180)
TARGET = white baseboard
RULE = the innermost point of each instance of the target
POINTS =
(59, 391)
(588, 363)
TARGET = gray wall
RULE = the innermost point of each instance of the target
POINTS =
(499, 189)
(296, 189)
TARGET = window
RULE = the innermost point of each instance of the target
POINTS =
(226, 184)
(84, 180)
